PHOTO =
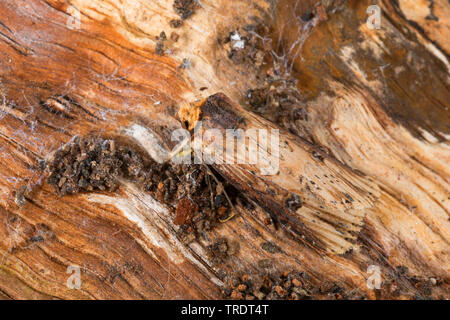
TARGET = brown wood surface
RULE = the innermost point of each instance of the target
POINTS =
(377, 110)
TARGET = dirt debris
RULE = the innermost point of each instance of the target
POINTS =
(176, 23)
(174, 36)
(186, 209)
(221, 249)
(276, 96)
(186, 8)
(288, 285)
(85, 165)
(19, 196)
(197, 201)
(294, 202)
(160, 43)
(277, 99)
(246, 47)
(399, 284)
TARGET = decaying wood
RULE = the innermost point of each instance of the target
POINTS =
(369, 138)
(334, 198)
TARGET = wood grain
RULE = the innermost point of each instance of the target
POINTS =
(377, 101)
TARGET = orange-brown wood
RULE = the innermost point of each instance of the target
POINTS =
(376, 104)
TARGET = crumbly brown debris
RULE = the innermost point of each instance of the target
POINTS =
(89, 164)
(284, 286)
(185, 8)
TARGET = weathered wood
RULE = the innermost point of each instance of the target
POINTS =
(334, 198)
(377, 115)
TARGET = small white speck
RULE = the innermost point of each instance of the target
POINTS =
(239, 44)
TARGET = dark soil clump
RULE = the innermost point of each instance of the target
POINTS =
(89, 164)
(222, 249)
(160, 43)
(85, 165)
(284, 286)
(185, 8)
(276, 96)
